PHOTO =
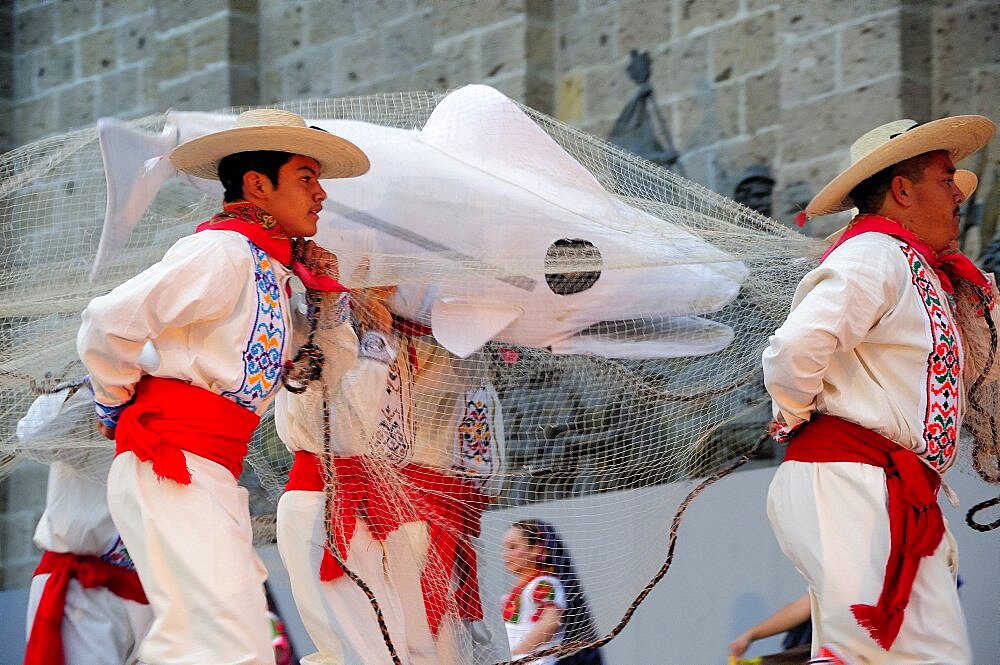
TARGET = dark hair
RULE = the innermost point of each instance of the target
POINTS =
(869, 194)
(233, 167)
(576, 618)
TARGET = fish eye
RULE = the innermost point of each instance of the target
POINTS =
(572, 266)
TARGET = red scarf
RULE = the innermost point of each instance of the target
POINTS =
(949, 267)
(916, 525)
(45, 645)
(263, 230)
(451, 507)
(169, 416)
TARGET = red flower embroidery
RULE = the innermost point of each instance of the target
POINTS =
(943, 371)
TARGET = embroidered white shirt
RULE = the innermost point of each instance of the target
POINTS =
(215, 312)
(389, 411)
(871, 338)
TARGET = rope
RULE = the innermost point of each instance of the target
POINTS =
(982, 505)
(979, 451)
(304, 369)
(572, 647)
(329, 479)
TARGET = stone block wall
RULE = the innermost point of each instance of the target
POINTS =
(965, 76)
(6, 76)
(72, 62)
(738, 82)
(311, 49)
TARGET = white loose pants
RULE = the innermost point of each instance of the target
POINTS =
(337, 614)
(831, 520)
(192, 546)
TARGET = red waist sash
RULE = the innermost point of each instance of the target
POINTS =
(45, 646)
(169, 416)
(451, 507)
(916, 525)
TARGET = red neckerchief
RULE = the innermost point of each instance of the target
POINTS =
(948, 267)
(263, 230)
(409, 330)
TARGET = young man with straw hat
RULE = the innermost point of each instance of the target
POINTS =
(215, 315)
(869, 375)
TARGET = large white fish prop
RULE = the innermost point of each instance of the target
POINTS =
(490, 229)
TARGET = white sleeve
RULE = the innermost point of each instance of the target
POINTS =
(557, 597)
(355, 390)
(834, 308)
(201, 277)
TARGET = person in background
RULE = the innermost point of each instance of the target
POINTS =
(793, 618)
(547, 606)
(414, 437)
(86, 604)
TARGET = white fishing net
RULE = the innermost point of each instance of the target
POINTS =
(585, 325)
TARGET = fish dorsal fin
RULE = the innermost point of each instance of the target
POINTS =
(484, 129)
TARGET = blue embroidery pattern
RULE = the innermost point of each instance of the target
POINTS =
(117, 555)
(109, 414)
(262, 357)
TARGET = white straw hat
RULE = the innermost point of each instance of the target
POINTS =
(271, 129)
(894, 142)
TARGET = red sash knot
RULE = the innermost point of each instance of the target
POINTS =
(45, 646)
(169, 416)
(916, 525)
(451, 507)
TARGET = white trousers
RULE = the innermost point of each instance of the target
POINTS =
(192, 546)
(831, 520)
(337, 614)
(98, 627)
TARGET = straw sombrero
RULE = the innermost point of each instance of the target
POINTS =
(271, 129)
(894, 142)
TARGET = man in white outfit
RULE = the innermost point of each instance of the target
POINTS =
(869, 375)
(407, 500)
(86, 604)
(215, 311)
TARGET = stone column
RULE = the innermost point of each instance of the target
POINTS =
(846, 67)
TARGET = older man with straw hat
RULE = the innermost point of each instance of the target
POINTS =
(866, 375)
(214, 318)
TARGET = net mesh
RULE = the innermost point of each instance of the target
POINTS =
(597, 330)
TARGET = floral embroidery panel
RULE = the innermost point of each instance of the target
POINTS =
(393, 438)
(262, 357)
(944, 370)
(475, 437)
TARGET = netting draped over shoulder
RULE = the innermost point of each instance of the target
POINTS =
(596, 321)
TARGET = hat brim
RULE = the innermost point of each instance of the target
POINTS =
(338, 157)
(960, 135)
(967, 181)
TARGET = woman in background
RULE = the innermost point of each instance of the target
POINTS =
(546, 607)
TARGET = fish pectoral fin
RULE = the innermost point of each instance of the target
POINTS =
(463, 326)
(676, 337)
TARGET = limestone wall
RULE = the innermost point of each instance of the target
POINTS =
(738, 82)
